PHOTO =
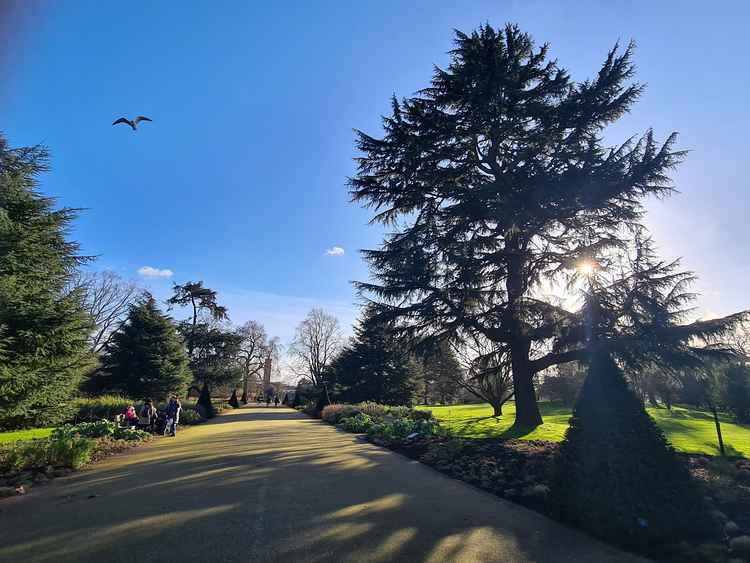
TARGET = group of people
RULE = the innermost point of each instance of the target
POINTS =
(261, 397)
(151, 420)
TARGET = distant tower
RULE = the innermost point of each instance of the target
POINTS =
(267, 373)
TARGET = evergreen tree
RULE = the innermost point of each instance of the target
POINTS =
(616, 475)
(497, 180)
(233, 400)
(146, 356)
(201, 300)
(43, 327)
(375, 366)
(442, 374)
(737, 391)
(205, 406)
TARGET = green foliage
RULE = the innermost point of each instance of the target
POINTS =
(214, 357)
(359, 423)
(562, 388)
(190, 416)
(24, 435)
(334, 413)
(397, 429)
(146, 356)
(616, 475)
(205, 407)
(737, 392)
(385, 422)
(63, 449)
(44, 328)
(99, 429)
(375, 366)
(91, 409)
(496, 179)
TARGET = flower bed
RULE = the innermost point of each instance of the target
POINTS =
(70, 447)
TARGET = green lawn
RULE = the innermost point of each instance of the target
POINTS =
(689, 430)
(31, 434)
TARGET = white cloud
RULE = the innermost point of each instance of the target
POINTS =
(150, 272)
(335, 251)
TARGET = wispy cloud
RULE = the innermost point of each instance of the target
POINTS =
(335, 251)
(151, 272)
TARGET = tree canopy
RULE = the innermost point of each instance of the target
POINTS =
(146, 356)
(44, 328)
(497, 181)
(375, 366)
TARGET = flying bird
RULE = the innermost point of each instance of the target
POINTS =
(134, 123)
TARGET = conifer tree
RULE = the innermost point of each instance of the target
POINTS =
(496, 181)
(375, 366)
(616, 475)
(43, 327)
(146, 356)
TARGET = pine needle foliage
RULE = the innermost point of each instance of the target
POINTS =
(146, 356)
(375, 366)
(43, 326)
(495, 181)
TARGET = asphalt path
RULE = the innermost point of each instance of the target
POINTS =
(270, 484)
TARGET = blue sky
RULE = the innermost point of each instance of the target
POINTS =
(241, 179)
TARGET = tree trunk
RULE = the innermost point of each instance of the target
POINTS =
(527, 409)
(718, 430)
(497, 409)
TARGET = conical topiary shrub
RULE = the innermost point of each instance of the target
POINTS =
(233, 400)
(616, 475)
(205, 406)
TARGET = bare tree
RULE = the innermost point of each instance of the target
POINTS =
(107, 298)
(316, 341)
(254, 349)
(487, 372)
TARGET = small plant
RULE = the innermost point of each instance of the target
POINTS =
(190, 416)
(70, 451)
(359, 423)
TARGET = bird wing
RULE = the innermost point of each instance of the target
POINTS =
(141, 118)
(121, 120)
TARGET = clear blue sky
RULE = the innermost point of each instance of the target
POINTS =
(240, 179)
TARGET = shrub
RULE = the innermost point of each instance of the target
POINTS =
(63, 449)
(359, 423)
(335, 413)
(190, 416)
(96, 408)
(374, 410)
(70, 451)
(24, 455)
(399, 428)
(332, 413)
(616, 476)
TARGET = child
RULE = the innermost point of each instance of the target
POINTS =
(131, 419)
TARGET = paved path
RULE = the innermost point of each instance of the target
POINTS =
(264, 484)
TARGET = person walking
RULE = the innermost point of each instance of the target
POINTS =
(173, 416)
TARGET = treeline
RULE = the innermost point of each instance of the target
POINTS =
(66, 330)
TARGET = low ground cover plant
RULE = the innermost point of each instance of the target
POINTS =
(381, 422)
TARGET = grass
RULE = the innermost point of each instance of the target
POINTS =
(689, 430)
(31, 434)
